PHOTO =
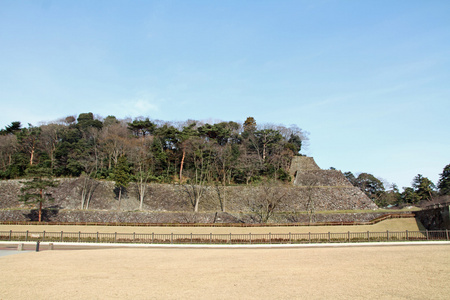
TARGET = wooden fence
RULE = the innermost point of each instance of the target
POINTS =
(194, 238)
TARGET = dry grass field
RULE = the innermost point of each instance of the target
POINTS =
(409, 224)
(387, 272)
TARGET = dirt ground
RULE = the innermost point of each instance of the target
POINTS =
(385, 272)
(409, 224)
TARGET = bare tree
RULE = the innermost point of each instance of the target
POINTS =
(8, 146)
(142, 162)
(266, 200)
(88, 187)
(199, 152)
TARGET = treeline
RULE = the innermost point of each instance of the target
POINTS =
(150, 150)
(422, 191)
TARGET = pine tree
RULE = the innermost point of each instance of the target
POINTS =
(35, 190)
(122, 175)
(444, 181)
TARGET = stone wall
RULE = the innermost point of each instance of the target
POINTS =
(97, 216)
(435, 218)
(171, 197)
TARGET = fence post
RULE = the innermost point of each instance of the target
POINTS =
(115, 237)
(309, 237)
(387, 235)
(191, 237)
(446, 233)
(153, 237)
(96, 238)
(134, 237)
(349, 236)
(270, 238)
(250, 237)
(329, 237)
(407, 237)
(61, 236)
(427, 234)
(230, 238)
(79, 236)
(26, 237)
(43, 236)
(171, 238)
(10, 234)
(368, 236)
(290, 238)
(210, 237)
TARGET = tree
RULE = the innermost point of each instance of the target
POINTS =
(409, 196)
(200, 154)
(250, 124)
(36, 189)
(122, 176)
(11, 129)
(371, 186)
(444, 181)
(423, 187)
(28, 140)
(265, 201)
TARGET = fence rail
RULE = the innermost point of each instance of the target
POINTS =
(212, 238)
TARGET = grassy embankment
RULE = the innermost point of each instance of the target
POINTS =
(409, 224)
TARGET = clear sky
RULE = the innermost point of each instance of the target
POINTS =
(369, 80)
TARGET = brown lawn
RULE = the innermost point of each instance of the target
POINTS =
(383, 272)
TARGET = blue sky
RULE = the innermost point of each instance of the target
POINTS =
(369, 80)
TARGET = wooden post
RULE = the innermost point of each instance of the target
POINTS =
(115, 237)
(407, 238)
(329, 237)
(191, 237)
(250, 237)
(427, 234)
(134, 237)
(96, 238)
(10, 235)
(309, 237)
(349, 236)
(210, 237)
(26, 237)
(270, 238)
(61, 236)
(153, 237)
(290, 238)
(368, 236)
(79, 236)
(446, 233)
(387, 235)
(171, 238)
(43, 236)
(230, 238)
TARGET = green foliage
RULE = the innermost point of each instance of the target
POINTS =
(122, 173)
(370, 185)
(225, 152)
(35, 190)
(444, 181)
(410, 196)
(423, 187)
(11, 129)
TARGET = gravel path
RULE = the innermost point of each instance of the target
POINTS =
(390, 272)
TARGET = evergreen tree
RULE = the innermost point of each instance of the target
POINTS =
(122, 176)
(444, 181)
(423, 187)
(35, 190)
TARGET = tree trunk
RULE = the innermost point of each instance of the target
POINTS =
(40, 205)
(181, 164)
(120, 196)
